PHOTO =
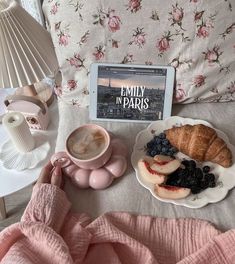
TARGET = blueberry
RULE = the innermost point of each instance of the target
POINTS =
(165, 142)
(184, 183)
(183, 172)
(158, 152)
(206, 169)
(157, 140)
(198, 173)
(185, 163)
(153, 153)
(162, 135)
(164, 149)
(173, 179)
(212, 184)
(184, 179)
(172, 182)
(192, 164)
(169, 153)
(173, 149)
(204, 184)
(195, 190)
(150, 144)
(209, 177)
(179, 171)
(193, 181)
(159, 148)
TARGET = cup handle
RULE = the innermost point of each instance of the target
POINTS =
(61, 158)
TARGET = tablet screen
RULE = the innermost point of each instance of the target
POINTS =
(130, 93)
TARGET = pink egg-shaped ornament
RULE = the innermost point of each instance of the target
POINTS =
(60, 158)
(118, 147)
(81, 178)
(116, 165)
(100, 179)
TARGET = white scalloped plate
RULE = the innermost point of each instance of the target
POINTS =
(11, 158)
(226, 176)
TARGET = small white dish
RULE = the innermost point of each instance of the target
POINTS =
(11, 158)
(226, 176)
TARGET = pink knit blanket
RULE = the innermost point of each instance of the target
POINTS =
(50, 233)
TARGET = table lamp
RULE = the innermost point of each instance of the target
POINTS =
(27, 53)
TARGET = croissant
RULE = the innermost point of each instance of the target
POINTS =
(201, 143)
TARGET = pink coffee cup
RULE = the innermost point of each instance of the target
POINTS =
(89, 146)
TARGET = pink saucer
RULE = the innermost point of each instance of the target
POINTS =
(99, 178)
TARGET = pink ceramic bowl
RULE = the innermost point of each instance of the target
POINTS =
(89, 146)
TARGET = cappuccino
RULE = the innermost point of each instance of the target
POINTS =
(87, 143)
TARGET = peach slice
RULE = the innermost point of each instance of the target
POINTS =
(149, 174)
(165, 164)
(162, 158)
(171, 192)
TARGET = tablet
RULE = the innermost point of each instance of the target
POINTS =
(130, 93)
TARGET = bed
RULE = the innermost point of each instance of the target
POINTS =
(196, 38)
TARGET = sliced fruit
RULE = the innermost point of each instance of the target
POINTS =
(171, 192)
(162, 158)
(149, 174)
(165, 164)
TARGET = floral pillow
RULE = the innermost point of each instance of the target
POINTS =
(194, 36)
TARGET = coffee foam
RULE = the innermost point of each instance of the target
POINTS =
(87, 143)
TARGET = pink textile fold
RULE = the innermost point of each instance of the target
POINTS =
(50, 233)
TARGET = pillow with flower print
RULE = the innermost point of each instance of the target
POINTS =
(194, 36)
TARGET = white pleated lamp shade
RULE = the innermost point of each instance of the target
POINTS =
(26, 50)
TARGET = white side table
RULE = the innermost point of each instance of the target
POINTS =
(12, 180)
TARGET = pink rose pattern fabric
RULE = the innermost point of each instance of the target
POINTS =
(195, 37)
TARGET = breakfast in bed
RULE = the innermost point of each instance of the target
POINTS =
(174, 177)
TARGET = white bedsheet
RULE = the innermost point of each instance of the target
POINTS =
(126, 194)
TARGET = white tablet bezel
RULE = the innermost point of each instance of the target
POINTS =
(93, 89)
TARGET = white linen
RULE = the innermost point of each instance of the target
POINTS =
(126, 194)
